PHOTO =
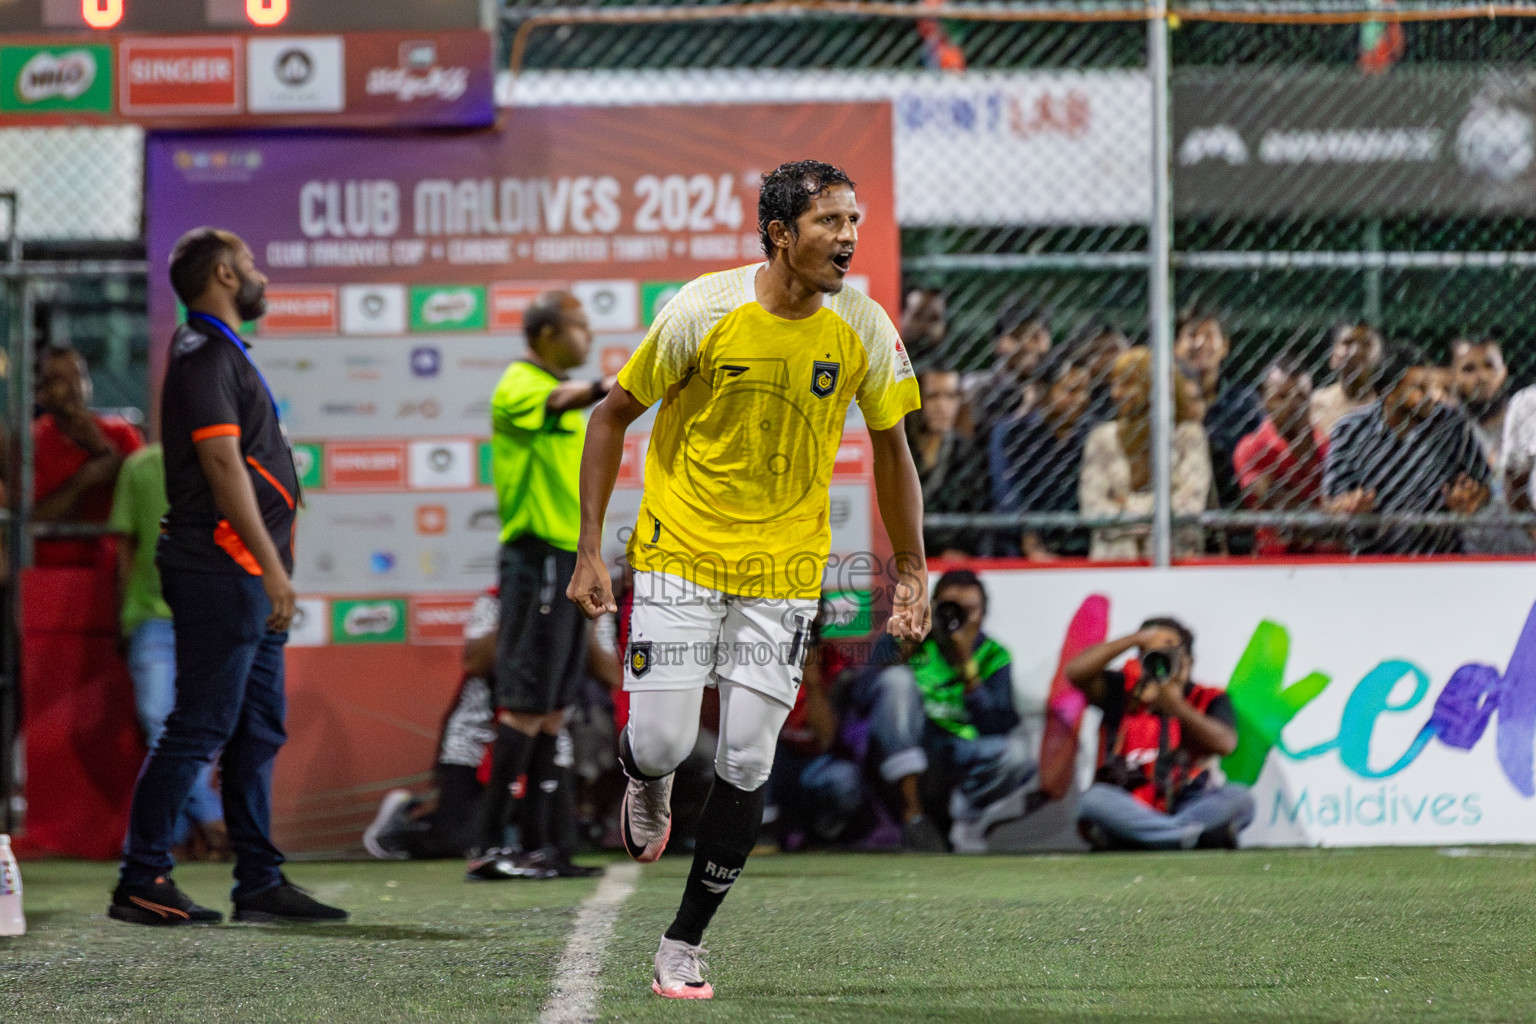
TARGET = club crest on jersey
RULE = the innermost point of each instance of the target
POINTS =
(640, 658)
(824, 378)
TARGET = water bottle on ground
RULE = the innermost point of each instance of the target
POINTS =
(12, 921)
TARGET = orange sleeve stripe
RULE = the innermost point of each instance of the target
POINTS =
(258, 467)
(217, 430)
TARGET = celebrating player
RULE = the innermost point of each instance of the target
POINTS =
(754, 369)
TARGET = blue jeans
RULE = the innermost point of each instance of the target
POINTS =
(152, 664)
(229, 695)
(1134, 823)
(984, 769)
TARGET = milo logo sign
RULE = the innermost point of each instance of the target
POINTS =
(45, 79)
(453, 308)
(368, 622)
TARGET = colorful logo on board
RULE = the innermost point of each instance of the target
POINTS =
(49, 79)
(379, 621)
(451, 308)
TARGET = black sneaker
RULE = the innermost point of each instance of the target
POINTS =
(558, 864)
(503, 865)
(285, 903)
(160, 904)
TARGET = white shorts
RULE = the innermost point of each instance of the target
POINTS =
(685, 636)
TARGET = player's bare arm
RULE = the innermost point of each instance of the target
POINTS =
(900, 495)
(590, 586)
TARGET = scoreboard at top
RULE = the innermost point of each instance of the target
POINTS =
(192, 16)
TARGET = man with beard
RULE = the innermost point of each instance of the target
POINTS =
(225, 552)
(1405, 453)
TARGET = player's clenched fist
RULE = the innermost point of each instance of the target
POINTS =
(590, 587)
(911, 617)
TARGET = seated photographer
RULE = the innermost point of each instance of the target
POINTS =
(1159, 740)
(947, 706)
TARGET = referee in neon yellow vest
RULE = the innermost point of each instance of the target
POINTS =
(538, 428)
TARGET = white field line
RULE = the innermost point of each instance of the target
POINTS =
(574, 1000)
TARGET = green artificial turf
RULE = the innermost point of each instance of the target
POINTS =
(1392, 935)
(1395, 935)
(423, 945)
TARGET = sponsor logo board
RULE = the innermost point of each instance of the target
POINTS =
(510, 300)
(610, 305)
(309, 463)
(49, 79)
(373, 309)
(365, 466)
(310, 626)
(426, 361)
(417, 76)
(300, 309)
(431, 519)
(448, 308)
(381, 621)
(296, 74)
(441, 465)
(613, 358)
(440, 619)
(179, 76)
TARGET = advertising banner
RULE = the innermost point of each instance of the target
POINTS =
(1416, 141)
(1376, 704)
(1031, 147)
(400, 269)
(357, 79)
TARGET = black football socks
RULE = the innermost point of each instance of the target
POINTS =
(727, 831)
(509, 759)
(539, 796)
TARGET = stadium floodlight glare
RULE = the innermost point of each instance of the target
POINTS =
(266, 12)
(101, 13)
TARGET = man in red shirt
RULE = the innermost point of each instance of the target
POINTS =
(1280, 465)
(76, 456)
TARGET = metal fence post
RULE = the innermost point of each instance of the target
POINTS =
(1160, 243)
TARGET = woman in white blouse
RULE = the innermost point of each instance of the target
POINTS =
(1116, 475)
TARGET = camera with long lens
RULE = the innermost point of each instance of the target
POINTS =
(1159, 666)
(948, 617)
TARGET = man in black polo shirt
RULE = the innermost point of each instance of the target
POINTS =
(225, 552)
(1405, 452)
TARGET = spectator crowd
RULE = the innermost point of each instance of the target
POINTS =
(1381, 451)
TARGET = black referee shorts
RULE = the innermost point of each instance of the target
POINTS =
(541, 644)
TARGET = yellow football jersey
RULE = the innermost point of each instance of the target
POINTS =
(752, 413)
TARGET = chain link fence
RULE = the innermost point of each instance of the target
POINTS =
(1352, 193)
(1352, 186)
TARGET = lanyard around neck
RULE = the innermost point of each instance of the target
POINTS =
(234, 339)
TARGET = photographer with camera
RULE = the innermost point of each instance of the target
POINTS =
(947, 705)
(1161, 735)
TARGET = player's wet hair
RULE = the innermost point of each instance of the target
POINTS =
(195, 257)
(788, 191)
(548, 310)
